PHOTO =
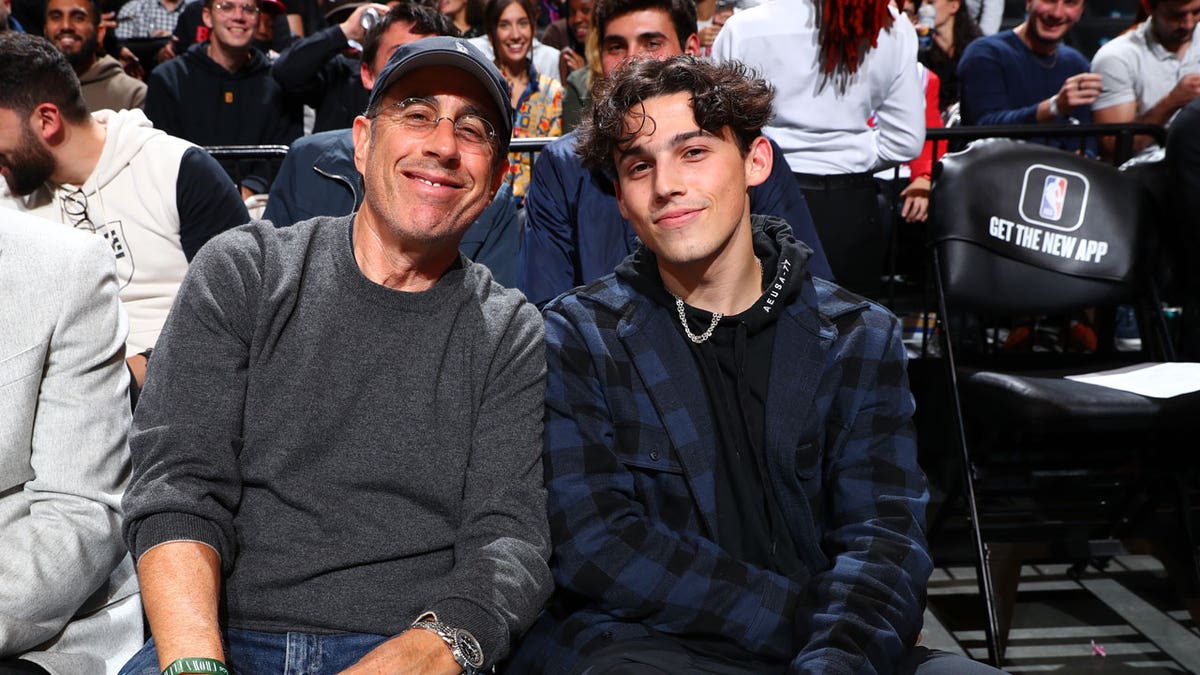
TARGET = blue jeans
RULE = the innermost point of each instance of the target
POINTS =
(253, 652)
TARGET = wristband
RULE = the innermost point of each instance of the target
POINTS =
(195, 665)
(1054, 106)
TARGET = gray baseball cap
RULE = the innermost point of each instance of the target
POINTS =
(454, 52)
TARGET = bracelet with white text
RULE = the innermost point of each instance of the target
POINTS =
(195, 665)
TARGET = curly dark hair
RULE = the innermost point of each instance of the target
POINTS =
(33, 72)
(425, 20)
(727, 94)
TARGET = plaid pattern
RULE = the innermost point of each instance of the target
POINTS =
(141, 18)
(629, 469)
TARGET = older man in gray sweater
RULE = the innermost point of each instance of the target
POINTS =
(337, 453)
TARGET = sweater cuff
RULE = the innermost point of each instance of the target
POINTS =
(164, 527)
(464, 614)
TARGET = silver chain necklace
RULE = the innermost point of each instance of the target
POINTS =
(716, 317)
(703, 337)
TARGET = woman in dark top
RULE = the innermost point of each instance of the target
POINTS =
(953, 30)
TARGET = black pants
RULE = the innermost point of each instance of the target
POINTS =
(845, 211)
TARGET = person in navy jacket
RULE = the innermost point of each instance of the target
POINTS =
(729, 453)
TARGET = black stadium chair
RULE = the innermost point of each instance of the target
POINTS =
(1053, 468)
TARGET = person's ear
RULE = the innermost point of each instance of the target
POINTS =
(499, 174)
(760, 159)
(368, 78)
(361, 133)
(46, 122)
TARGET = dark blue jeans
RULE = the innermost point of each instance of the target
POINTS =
(253, 652)
(664, 656)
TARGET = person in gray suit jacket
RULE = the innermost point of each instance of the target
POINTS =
(68, 595)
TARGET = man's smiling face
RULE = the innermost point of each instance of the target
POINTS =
(431, 186)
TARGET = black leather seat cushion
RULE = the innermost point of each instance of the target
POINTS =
(1047, 401)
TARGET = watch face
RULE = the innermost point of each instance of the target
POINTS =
(469, 646)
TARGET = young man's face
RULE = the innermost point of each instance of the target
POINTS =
(24, 162)
(232, 23)
(69, 25)
(1174, 21)
(682, 188)
(397, 34)
(428, 187)
(1049, 20)
(644, 33)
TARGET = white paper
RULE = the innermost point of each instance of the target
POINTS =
(1156, 380)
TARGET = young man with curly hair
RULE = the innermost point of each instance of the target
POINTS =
(729, 455)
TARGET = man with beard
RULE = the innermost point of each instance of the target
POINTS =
(1152, 71)
(155, 199)
(1027, 76)
(74, 28)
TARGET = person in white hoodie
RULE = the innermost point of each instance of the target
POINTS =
(156, 199)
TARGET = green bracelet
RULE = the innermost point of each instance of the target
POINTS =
(195, 665)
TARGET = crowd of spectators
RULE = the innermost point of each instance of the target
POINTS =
(850, 88)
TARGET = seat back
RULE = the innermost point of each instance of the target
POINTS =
(1024, 228)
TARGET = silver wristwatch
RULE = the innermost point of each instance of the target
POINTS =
(463, 646)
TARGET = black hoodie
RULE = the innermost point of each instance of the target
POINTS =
(195, 98)
(735, 365)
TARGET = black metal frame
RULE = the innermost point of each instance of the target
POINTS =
(1161, 347)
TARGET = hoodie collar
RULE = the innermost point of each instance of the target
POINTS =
(784, 261)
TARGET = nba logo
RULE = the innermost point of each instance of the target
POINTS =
(1054, 193)
(1053, 197)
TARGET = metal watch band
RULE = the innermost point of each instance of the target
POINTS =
(463, 646)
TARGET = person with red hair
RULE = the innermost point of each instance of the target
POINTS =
(834, 64)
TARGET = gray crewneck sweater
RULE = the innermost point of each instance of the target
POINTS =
(357, 455)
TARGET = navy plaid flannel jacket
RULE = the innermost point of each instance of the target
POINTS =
(629, 470)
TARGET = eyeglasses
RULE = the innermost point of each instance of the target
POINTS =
(233, 7)
(75, 205)
(420, 116)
